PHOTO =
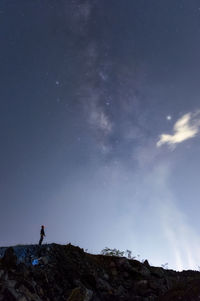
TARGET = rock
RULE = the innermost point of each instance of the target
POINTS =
(44, 260)
(11, 283)
(103, 285)
(88, 295)
(121, 292)
(142, 284)
(112, 264)
(145, 272)
(10, 294)
(9, 259)
(88, 279)
(126, 275)
(114, 272)
(80, 294)
(141, 287)
(22, 299)
(146, 263)
(158, 272)
(1, 273)
(106, 276)
(25, 291)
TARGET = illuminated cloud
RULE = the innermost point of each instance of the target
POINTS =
(185, 128)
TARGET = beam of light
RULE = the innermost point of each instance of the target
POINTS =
(181, 237)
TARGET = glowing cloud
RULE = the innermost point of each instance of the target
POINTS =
(185, 128)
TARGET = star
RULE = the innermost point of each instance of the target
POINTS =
(168, 117)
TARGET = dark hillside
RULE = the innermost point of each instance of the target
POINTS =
(66, 273)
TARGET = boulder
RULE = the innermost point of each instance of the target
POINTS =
(80, 294)
(9, 259)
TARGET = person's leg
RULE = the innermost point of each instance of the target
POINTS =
(41, 239)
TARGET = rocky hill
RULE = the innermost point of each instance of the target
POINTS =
(66, 273)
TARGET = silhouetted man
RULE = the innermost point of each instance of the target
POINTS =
(42, 234)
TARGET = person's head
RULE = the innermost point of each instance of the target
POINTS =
(42, 226)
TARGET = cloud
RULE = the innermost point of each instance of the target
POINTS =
(185, 128)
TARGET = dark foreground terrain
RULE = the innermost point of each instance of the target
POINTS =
(67, 273)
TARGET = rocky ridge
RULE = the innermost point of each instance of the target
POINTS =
(67, 273)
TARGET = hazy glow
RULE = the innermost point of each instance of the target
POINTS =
(181, 238)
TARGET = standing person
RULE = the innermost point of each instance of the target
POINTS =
(42, 234)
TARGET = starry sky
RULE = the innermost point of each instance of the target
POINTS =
(99, 126)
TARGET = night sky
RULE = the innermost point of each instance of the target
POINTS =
(99, 126)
